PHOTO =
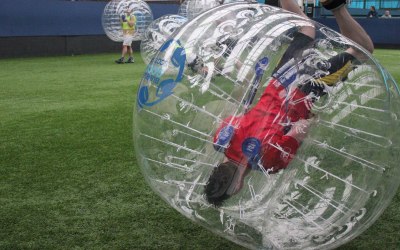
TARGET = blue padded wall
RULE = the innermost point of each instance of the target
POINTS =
(35, 18)
(59, 18)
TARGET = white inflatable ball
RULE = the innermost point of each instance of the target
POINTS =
(115, 9)
(157, 33)
(268, 152)
(192, 8)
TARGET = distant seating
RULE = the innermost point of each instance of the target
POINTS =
(358, 13)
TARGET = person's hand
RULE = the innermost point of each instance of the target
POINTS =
(300, 129)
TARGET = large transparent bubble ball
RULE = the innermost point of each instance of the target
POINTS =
(113, 11)
(191, 8)
(157, 34)
(340, 180)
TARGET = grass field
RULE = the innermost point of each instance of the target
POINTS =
(68, 174)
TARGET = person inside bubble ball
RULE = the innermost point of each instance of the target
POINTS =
(128, 24)
(267, 136)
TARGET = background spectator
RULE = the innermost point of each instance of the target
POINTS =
(372, 12)
(387, 14)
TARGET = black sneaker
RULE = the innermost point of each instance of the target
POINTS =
(195, 65)
(315, 88)
(333, 4)
(120, 61)
(130, 60)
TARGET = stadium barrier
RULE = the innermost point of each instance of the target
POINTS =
(57, 27)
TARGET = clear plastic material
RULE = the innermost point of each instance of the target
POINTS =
(112, 14)
(157, 33)
(191, 8)
(212, 74)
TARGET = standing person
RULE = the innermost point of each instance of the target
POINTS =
(267, 136)
(372, 12)
(386, 14)
(128, 24)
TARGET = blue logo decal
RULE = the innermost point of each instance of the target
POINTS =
(251, 149)
(155, 71)
(261, 66)
(224, 137)
(287, 73)
(288, 77)
(259, 69)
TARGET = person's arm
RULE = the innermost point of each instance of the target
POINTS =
(280, 149)
(293, 6)
(299, 130)
(132, 21)
(353, 30)
(238, 181)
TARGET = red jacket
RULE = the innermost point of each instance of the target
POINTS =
(258, 135)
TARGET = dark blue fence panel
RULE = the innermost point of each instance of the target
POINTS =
(160, 9)
(381, 31)
(50, 18)
(59, 18)
(73, 18)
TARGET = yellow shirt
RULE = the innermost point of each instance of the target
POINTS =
(126, 28)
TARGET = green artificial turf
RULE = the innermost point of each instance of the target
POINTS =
(68, 173)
